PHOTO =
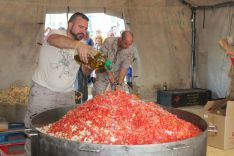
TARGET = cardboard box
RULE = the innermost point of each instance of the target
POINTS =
(197, 109)
(220, 115)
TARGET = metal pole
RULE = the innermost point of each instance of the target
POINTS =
(193, 20)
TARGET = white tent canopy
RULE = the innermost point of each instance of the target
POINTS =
(162, 31)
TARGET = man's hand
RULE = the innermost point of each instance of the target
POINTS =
(111, 76)
(86, 69)
(118, 87)
(83, 51)
(230, 53)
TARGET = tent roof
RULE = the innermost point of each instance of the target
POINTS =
(206, 2)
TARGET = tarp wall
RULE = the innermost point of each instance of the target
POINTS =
(163, 36)
(213, 65)
(19, 33)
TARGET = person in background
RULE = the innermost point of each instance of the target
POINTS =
(121, 52)
(82, 80)
(227, 44)
(56, 72)
(98, 45)
(98, 33)
(62, 28)
(98, 42)
(88, 40)
(129, 78)
(114, 30)
(110, 34)
(81, 86)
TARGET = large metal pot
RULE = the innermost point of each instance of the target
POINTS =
(45, 145)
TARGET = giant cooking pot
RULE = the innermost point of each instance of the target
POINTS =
(46, 145)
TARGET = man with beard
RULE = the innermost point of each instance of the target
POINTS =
(56, 72)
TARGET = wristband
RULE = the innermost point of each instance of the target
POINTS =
(117, 84)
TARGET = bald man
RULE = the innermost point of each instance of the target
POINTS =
(121, 52)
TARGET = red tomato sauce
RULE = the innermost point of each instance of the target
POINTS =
(119, 118)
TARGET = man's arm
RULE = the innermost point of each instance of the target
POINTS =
(226, 46)
(61, 41)
(122, 74)
(64, 42)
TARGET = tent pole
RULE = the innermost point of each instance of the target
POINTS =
(193, 20)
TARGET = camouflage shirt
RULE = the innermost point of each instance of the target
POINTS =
(121, 58)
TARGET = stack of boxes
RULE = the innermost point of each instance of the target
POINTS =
(12, 138)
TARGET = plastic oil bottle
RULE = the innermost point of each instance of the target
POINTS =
(96, 60)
